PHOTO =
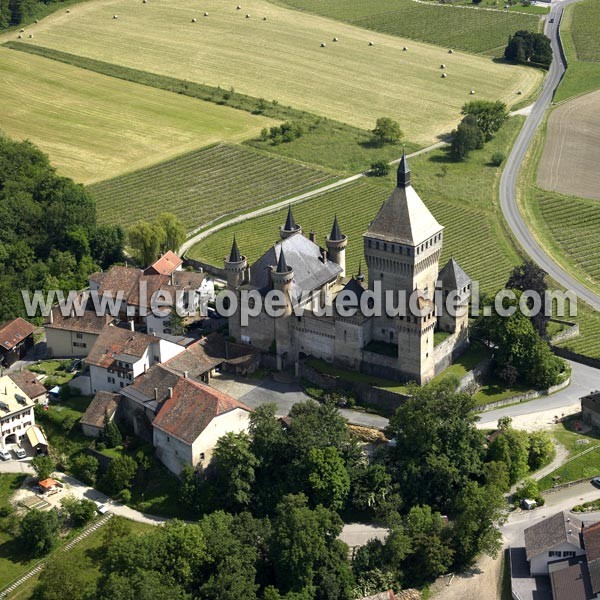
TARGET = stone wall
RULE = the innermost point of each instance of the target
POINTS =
(571, 331)
(475, 376)
(199, 265)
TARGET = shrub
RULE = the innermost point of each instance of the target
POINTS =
(497, 159)
(466, 138)
(85, 468)
(379, 169)
(125, 496)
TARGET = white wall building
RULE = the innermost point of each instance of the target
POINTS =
(16, 412)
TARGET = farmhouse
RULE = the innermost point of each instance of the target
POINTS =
(16, 412)
(16, 338)
(590, 409)
(402, 247)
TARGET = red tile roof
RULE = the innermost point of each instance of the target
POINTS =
(29, 383)
(89, 322)
(165, 265)
(113, 341)
(13, 332)
(191, 408)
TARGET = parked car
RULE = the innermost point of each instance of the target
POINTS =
(75, 366)
(4, 454)
(101, 508)
(595, 482)
(551, 20)
(20, 453)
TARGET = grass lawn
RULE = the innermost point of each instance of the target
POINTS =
(281, 59)
(495, 390)
(439, 337)
(85, 557)
(203, 185)
(465, 362)
(56, 370)
(587, 465)
(93, 126)
(472, 30)
(462, 196)
(579, 32)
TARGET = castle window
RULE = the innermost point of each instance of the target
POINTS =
(384, 246)
(381, 275)
(369, 243)
(299, 319)
(376, 245)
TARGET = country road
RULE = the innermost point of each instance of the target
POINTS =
(508, 182)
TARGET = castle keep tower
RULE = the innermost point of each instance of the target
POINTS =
(282, 277)
(336, 246)
(235, 266)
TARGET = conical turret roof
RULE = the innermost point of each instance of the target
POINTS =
(290, 223)
(281, 264)
(403, 178)
(234, 255)
(336, 233)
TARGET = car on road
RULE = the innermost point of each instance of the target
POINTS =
(4, 454)
(551, 20)
(20, 453)
(595, 481)
(101, 508)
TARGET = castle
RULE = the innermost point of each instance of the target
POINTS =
(402, 248)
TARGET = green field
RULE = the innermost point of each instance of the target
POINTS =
(579, 31)
(460, 195)
(281, 59)
(450, 26)
(202, 186)
(93, 126)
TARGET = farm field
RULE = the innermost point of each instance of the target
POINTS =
(569, 162)
(579, 32)
(460, 195)
(202, 185)
(93, 126)
(281, 59)
(450, 26)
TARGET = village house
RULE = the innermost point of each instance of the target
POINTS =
(590, 409)
(102, 408)
(73, 336)
(31, 385)
(121, 355)
(16, 339)
(16, 412)
(402, 248)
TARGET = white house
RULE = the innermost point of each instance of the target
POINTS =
(120, 355)
(555, 538)
(190, 422)
(16, 412)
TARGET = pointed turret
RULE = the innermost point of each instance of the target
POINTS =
(336, 246)
(336, 233)
(290, 226)
(403, 171)
(234, 255)
(281, 264)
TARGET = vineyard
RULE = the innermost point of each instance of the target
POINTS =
(282, 59)
(202, 185)
(460, 195)
(585, 30)
(94, 127)
(451, 26)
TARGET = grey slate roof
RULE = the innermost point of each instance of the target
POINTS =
(290, 223)
(234, 255)
(453, 277)
(404, 218)
(104, 403)
(336, 233)
(403, 173)
(545, 535)
(303, 256)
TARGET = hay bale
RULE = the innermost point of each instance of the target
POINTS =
(115, 16)
(405, 48)
(264, 18)
(238, 7)
(371, 44)
(519, 92)
(335, 39)
(323, 45)
(247, 16)
(30, 35)
(194, 20)
(144, 1)
(206, 14)
(22, 30)
(19, 37)
(442, 66)
(450, 51)
(36, 21)
(68, 11)
(444, 75)
(472, 92)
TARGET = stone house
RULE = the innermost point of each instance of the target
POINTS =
(103, 406)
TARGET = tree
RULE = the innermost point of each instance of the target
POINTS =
(525, 46)
(328, 479)
(39, 531)
(380, 168)
(529, 277)
(387, 131)
(175, 232)
(107, 244)
(43, 465)
(146, 239)
(234, 464)
(371, 486)
(466, 138)
(512, 449)
(111, 435)
(489, 115)
(79, 512)
(85, 468)
(497, 159)
(528, 490)
(541, 449)
(115, 530)
(59, 580)
(119, 474)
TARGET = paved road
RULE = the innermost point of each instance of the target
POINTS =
(508, 182)
(584, 379)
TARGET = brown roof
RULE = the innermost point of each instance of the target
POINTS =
(29, 383)
(89, 322)
(117, 279)
(195, 360)
(15, 331)
(114, 341)
(154, 384)
(591, 542)
(545, 535)
(165, 265)
(217, 346)
(570, 580)
(191, 408)
(103, 403)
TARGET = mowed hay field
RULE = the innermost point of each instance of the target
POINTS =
(571, 155)
(94, 126)
(585, 30)
(281, 59)
(460, 195)
(202, 186)
(453, 26)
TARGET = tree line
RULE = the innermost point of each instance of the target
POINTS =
(15, 12)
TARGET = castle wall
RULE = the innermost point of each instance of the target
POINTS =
(315, 336)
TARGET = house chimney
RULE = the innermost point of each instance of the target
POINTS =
(186, 374)
(51, 315)
(131, 325)
(170, 392)
(156, 394)
(312, 236)
(324, 257)
(171, 279)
